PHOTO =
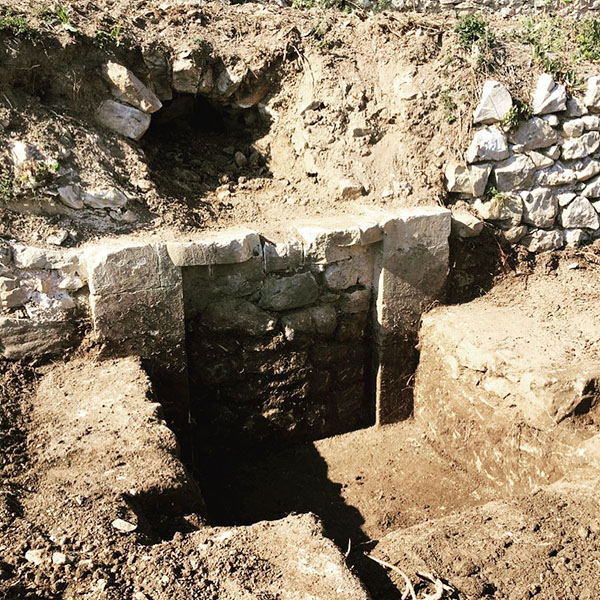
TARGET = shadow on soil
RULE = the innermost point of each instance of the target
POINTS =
(244, 487)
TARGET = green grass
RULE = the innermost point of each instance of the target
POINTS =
(519, 112)
(473, 34)
(472, 28)
(588, 39)
(7, 188)
(16, 25)
(114, 35)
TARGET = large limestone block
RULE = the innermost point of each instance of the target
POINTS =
(330, 239)
(30, 338)
(549, 96)
(127, 268)
(515, 173)
(191, 78)
(533, 134)
(560, 174)
(470, 180)
(494, 105)
(506, 208)
(125, 120)
(283, 293)
(125, 86)
(580, 214)
(412, 274)
(488, 144)
(222, 247)
(283, 255)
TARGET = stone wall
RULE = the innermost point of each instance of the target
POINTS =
(301, 339)
(278, 345)
(537, 180)
(43, 296)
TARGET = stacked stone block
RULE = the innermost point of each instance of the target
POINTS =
(538, 182)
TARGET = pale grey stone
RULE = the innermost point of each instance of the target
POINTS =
(122, 267)
(237, 314)
(284, 293)
(357, 270)
(355, 302)
(465, 224)
(592, 188)
(348, 189)
(533, 134)
(575, 237)
(488, 143)
(507, 208)
(565, 198)
(494, 105)
(104, 198)
(553, 152)
(160, 76)
(540, 207)
(514, 234)
(329, 239)
(282, 256)
(540, 240)
(596, 205)
(559, 174)
(125, 120)
(582, 146)
(125, 86)
(592, 93)
(591, 122)
(221, 247)
(574, 127)
(549, 96)
(579, 214)
(515, 173)
(539, 160)
(29, 257)
(230, 79)
(37, 557)
(470, 180)
(575, 108)
(552, 120)
(70, 195)
(321, 320)
(190, 78)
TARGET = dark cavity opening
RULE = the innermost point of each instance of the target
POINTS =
(196, 146)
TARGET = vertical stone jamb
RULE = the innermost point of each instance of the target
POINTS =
(409, 277)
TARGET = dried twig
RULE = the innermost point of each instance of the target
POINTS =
(409, 585)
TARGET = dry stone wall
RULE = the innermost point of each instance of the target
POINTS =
(43, 296)
(539, 181)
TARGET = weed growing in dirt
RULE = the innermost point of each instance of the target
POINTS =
(519, 112)
(114, 35)
(474, 34)
(17, 26)
(7, 187)
(588, 39)
(548, 38)
(342, 5)
(472, 28)
(60, 16)
(492, 193)
(448, 106)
